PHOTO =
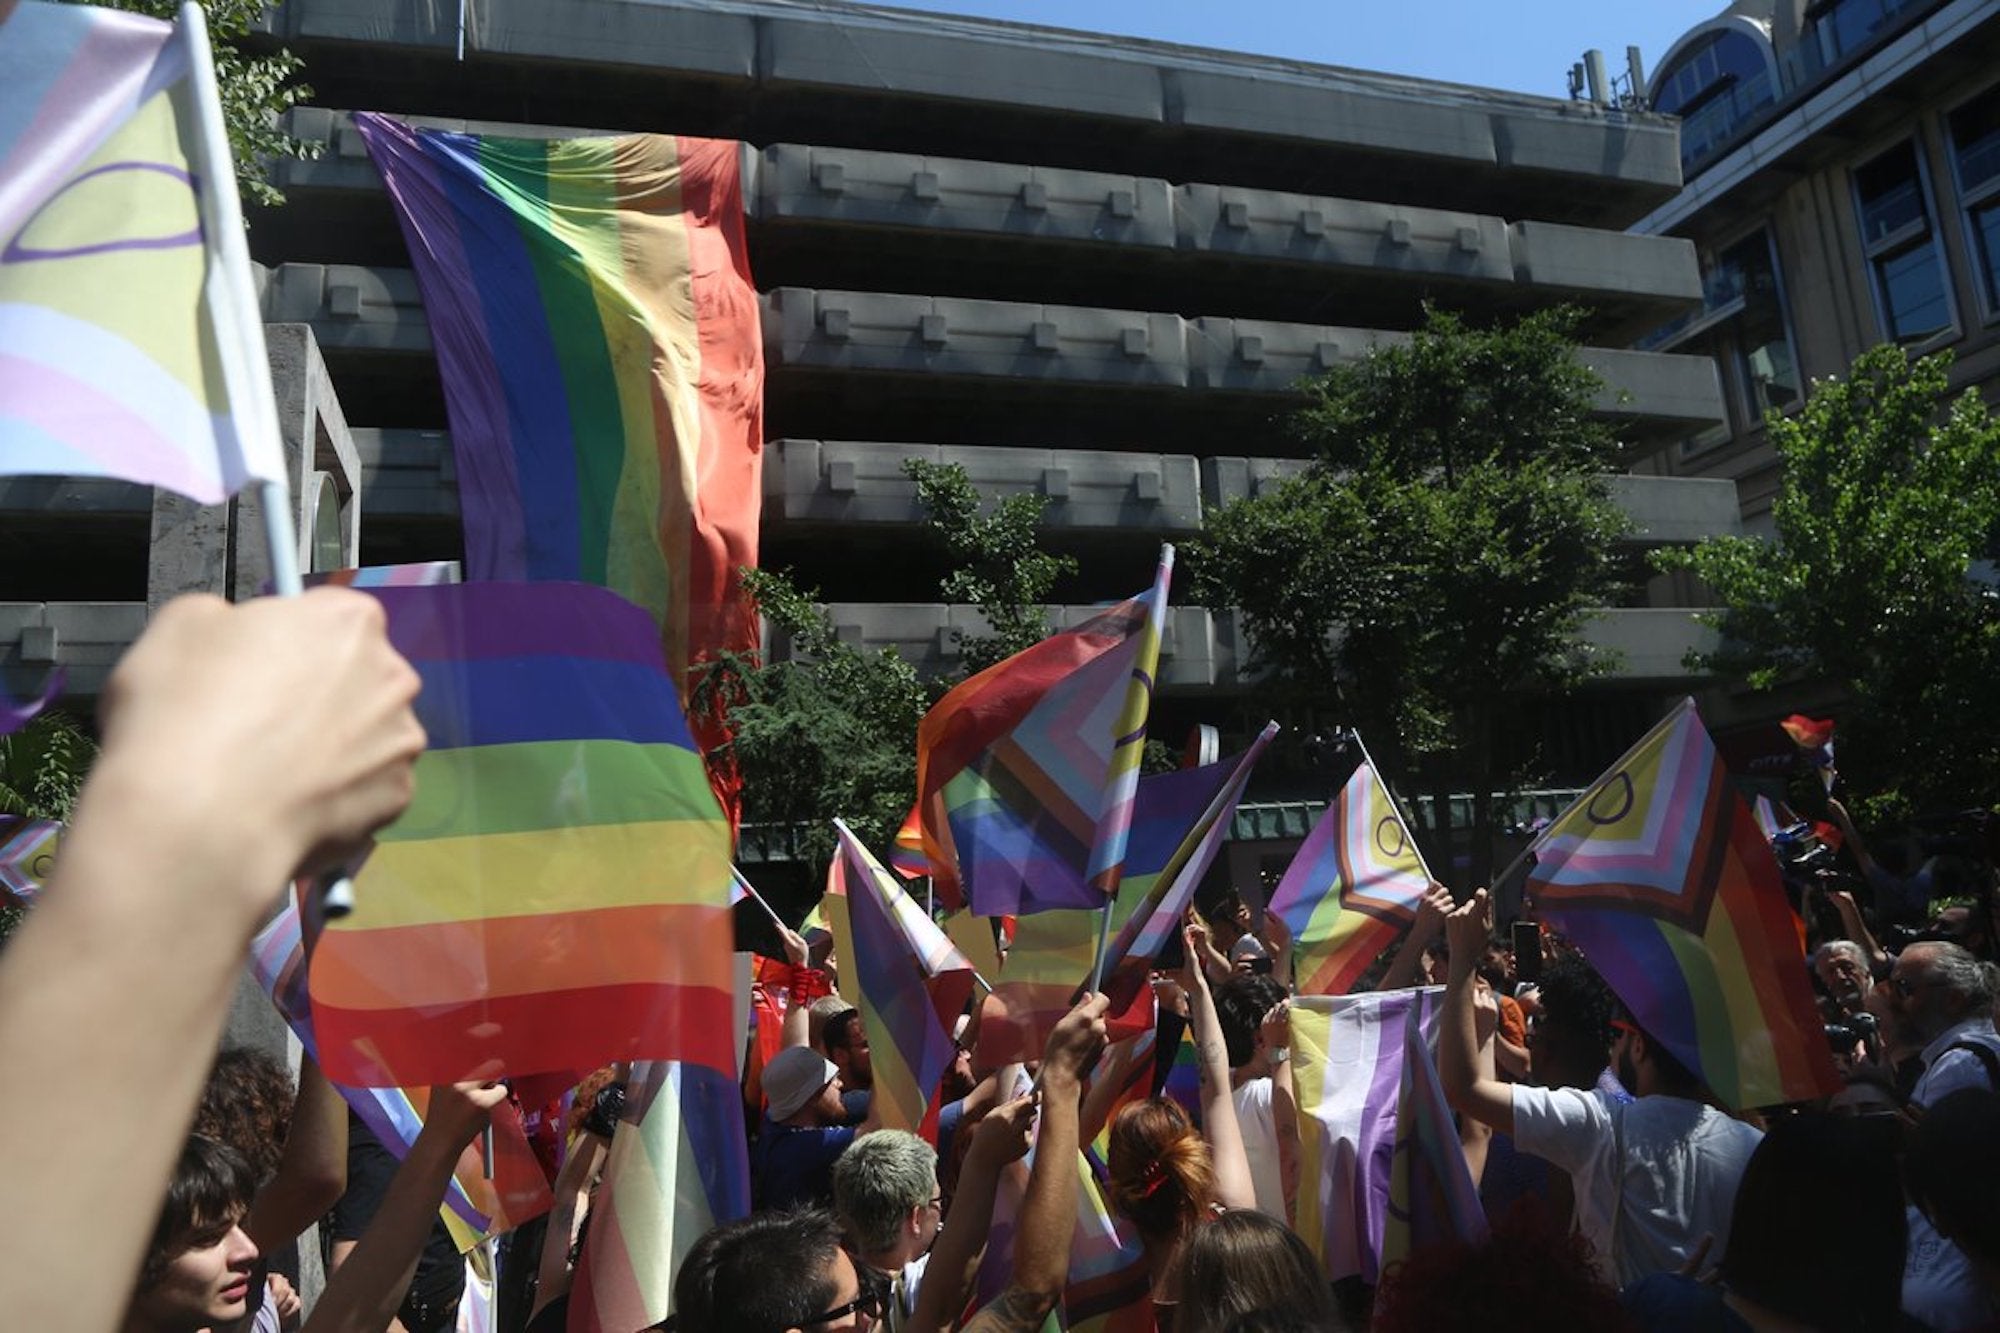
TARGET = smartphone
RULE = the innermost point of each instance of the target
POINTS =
(1528, 952)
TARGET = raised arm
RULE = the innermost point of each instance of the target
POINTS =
(1048, 1215)
(1233, 1185)
(1470, 1090)
(1278, 941)
(998, 1140)
(364, 1294)
(1277, 1033)
(1431, 913)
(313, 1172)
(242, 745)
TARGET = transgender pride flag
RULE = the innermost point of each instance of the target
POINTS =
(125, 349)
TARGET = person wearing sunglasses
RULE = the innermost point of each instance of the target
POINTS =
(778, 1272)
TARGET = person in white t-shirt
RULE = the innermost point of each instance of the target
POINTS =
(1653, 1178)
(1255, 1011)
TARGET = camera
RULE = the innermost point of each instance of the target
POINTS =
(1855, 1028)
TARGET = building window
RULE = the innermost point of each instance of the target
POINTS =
(1715, 87)
(1768, 372)
(1975, 153)
(1849, 25)
(1901, 245)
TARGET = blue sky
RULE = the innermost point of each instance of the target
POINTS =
(1527, 46)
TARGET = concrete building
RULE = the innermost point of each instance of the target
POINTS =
(1084, 266)
(1842, 165)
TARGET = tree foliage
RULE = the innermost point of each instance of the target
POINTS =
(256, 89)
(1890, 494)
(1441, 551)
(42, 768)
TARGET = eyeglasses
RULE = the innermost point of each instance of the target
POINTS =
(868, 1303)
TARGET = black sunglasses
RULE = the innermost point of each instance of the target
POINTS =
(869, 1303)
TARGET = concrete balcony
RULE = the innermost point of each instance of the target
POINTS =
(407, 474)
(351, 307)
(85, 639)
(841, 481)
(1204, 649)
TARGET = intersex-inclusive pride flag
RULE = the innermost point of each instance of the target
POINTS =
(556, 895)
(1027, 772)
(597, 334)
(1352, 887)
(1380, 1169)
(1179, 822)
(907, 978)
(1661, 875)
(123, 352)
(475, 1206)
(678, 1167)
(27, 856)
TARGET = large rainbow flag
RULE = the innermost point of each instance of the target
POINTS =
(556, 895)
(1179, 821)
(476, 1205)
(1352, 887)
(1027, 772)
(678, 1167)
(597, 332)
(1375, 1176)
(124, 347)
(1661, 875)
(907, 978)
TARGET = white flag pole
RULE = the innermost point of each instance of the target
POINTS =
(247, 363)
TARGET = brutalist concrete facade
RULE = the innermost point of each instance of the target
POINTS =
(1083, 266)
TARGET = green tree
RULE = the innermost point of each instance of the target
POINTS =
(42, 768)
(1890, 494)
(1438, 558)
(256, 89)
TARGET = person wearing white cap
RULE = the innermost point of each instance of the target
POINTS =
(803, 1133)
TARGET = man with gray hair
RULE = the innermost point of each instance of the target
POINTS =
(885, 1190)
(1842, 968)
(1943, 997)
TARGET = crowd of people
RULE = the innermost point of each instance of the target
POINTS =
(242, 746)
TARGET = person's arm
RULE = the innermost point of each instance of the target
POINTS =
(572, 1196)
(241, 746)
(364, 1294)
(1231, 1164)
(999, 1139)
(312, 1175)
(1857, 930)
(797, 1028)
(1850, 837)
(1277, 1032)
(1470, 1092)
(1278, 940)
(1475, 1138)
(1431, 914)
(1048, 1214)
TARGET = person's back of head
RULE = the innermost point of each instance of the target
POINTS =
(884, 1186)
(821, 1012)
(1534, 1273)
(1570, 1043)
(190, 1274)
(247, 1104)
(1952, 1166)
(1817, 1233)
(766, 1273)
(1161, 1177)
(1245, 1263)
(1240, 1005)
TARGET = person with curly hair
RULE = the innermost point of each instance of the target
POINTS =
(1165, 1178)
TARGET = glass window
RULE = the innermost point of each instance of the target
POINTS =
(1715, 87)
(1901, 245)
(1975, 147)
(1852, 24)
(1763, 348)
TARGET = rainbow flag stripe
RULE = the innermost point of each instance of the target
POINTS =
(1661, 875)
(679, 1166)
(474, 1206)
(1027, 773)
(1348, 1066)
(597, 332)
(122, 353)
(908, 979)
(1352, 888)
(556, 895)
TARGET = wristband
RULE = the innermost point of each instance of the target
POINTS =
(1277, 1055)
(808, 984)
